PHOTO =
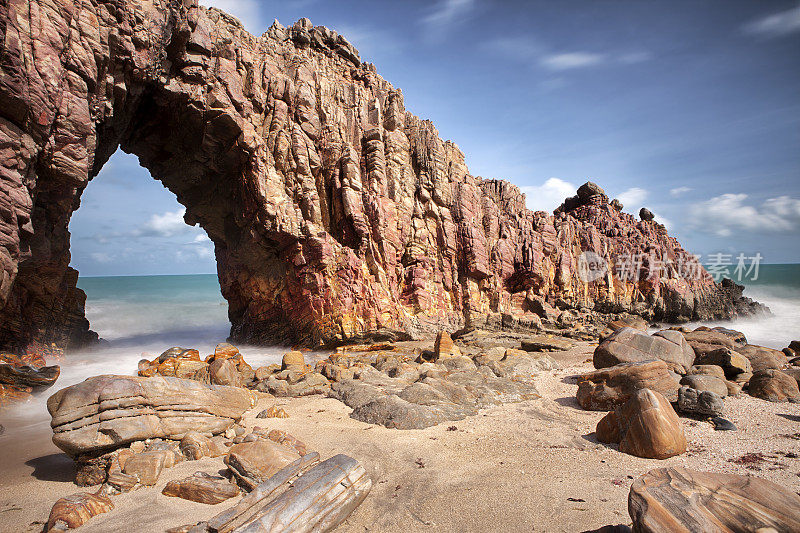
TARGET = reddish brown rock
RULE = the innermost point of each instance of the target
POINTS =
(646, 426)
(335, 214)
(762, 358)
(254, 462)
(610, 388)
(775, 386)
(628, 345)
(75, 510)
(682, 500)
(202, 488)
(444, 347)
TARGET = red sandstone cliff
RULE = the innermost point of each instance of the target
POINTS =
(334, 211)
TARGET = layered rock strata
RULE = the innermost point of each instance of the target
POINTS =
(335, 214)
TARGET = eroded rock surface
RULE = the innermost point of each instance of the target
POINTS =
(106, 412)
(679, 499)
(335, 213)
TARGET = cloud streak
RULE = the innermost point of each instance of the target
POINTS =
(776, 24)
(730, 213)
(445, 15)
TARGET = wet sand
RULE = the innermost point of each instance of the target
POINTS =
(532, 466)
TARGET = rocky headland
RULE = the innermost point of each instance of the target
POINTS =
(336, 214)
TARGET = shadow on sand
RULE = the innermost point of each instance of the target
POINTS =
(53, 467)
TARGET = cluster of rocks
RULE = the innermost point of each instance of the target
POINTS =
(640, 377)
(123, 432)
(22, 376)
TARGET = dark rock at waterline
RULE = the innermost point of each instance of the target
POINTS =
(28, 376)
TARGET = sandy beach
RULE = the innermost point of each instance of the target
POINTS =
(530, 466)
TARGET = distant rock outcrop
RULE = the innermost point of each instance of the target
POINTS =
(335, 213)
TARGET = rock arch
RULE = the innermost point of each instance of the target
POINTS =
(334, 212)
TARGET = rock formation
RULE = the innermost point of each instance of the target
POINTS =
(334, 212)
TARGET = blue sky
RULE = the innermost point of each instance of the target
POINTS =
(689, 108)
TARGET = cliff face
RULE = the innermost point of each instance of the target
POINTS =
(334, 212)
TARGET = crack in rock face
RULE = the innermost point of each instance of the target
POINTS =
(336, 215)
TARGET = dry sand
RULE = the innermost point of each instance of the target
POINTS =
(532, 466)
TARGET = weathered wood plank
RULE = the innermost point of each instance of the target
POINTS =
(318, 501)
(251, 504)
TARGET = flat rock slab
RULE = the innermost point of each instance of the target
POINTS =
(202, 488)
(106, 412)
(682, 500)
(543, 343)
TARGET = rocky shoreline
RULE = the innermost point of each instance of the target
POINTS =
(651, 393)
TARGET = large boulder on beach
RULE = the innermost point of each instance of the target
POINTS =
(700, 403)
(628, 345)
(763, 358)
(611, 387)
(774, 386)
(107, 412)
(679, 499)
(646, 426)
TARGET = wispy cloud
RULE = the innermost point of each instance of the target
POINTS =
(776, 24)
(571, 60)
(549, 195)
(444, 15)
(729, 213)
(164, 225)
(679, 191)
(633, 197)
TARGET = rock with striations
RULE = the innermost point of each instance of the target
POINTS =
(762, 358)
(202, 488)
(334, 212)
(609, 388)
(628, 345)
(75, 510)
(254, 462)
(679, 499)
(106, 412)
(774, 385)
(702, 382)
(645, 426)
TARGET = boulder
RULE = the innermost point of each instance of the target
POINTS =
(679, 499)
(444, 347)
(628, 345)
(762, 358)
(75, 510)
(610, 388)
(774, 386)
(711, 337)
(202, 488)
(589, 190)
(107, 412)
(273, 412)
(700, 403)
(646, 426)
(195, 446)
(630, 321)
(732, 363)
(293, 360)
(225, 372)
(708, 370)
(706, 383)
(646, 215)
(22, 376)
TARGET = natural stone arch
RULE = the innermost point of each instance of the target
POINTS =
(334, 213)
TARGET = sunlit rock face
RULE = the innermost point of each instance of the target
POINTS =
(334, 212)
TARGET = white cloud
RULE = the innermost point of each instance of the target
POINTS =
(549, 195)
(167, 225)
(571, 60)
(679, 191)
(200, 239)
(633, 197)
(445, 14)
(775, 25)
(100, 257)
(726, 214)
(247, 11)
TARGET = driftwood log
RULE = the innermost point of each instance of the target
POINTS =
(305, 496)
(319, 500)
